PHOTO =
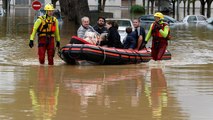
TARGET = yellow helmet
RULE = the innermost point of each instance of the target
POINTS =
(49, 7)
(159, 14)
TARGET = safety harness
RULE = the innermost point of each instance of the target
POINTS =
(156, 34)
(47, 27)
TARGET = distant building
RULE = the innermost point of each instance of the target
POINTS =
(115, 3)
(109, 3)
(26, 2)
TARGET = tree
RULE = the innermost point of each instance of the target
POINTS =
(54, 2)
(202, 7)
(75, 9)
(148, 7)
(209, 2)
(188, 7)
(152, 5)
(184, 8)
(193, 6)
(144, 3)
(101, 5)
(5, 5)
(173, 5)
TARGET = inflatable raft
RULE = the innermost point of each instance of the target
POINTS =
(80, 50)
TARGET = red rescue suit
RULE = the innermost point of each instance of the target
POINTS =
(46, 40)
(159, 43)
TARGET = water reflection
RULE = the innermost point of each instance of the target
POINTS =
(156, 92)
(95, 86)
(136, 91)
(7, 84)
(127, 92)
(44, 94)
(193, 88)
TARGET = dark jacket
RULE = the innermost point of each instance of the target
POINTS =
(130, 41)
(140, 31)
(113, 39)
(100, 30)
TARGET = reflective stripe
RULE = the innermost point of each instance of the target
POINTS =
(44, 34)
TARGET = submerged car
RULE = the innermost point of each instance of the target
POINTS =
(123, 24)
(210, 20)
(56, 13)
(209, 25)
(1, 11)
(194, 19)
(147, 20)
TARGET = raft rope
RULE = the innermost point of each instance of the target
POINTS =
(119, 55)
(60, 53)
(128, 55)
(69, 53)
(104, 55)
(134, 54)
(141, 59)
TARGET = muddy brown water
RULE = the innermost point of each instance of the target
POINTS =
(178, 89)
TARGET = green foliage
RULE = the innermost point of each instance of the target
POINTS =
(137, 9)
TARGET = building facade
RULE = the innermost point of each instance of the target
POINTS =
(115, 3)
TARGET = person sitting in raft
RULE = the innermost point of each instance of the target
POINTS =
(141, 34)
(130, 39)
(113, 37)
(85, 27)
(91, 37)
(100, 26)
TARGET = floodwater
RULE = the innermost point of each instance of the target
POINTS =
(178, 89)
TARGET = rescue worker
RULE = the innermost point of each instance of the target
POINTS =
(47, 28)
(160, 33)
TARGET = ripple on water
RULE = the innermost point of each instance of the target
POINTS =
(7, 84)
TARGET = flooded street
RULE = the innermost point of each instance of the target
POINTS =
(178, 89)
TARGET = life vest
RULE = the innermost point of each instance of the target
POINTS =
(156, 34)
(47, 26)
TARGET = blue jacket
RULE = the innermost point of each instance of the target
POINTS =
(130, 41)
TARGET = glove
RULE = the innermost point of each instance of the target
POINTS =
(31, 44)
(158, 26)
(58, 44)
(143, 44)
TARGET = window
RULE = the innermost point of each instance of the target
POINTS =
(192, 19)
(201, 18)
(149, 18)
(123, 23)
